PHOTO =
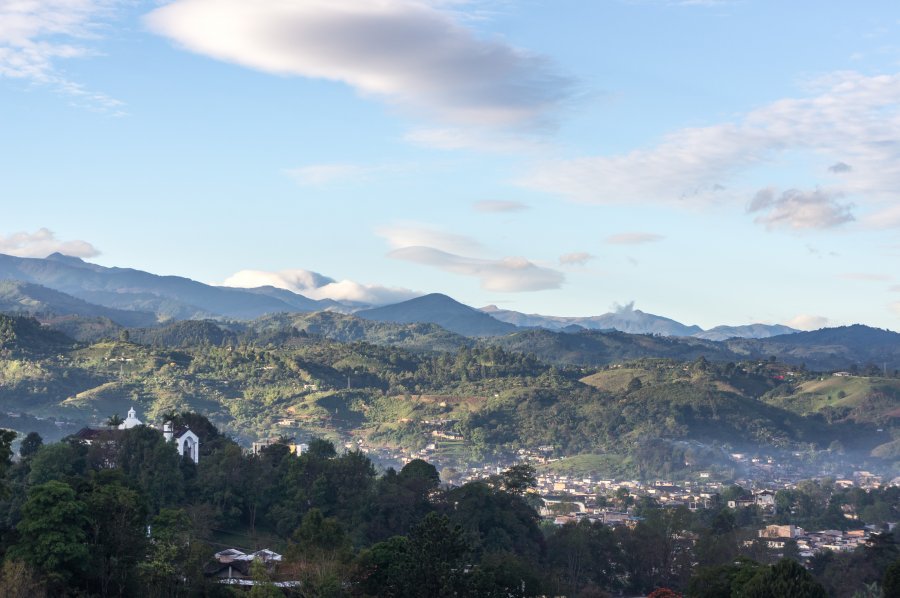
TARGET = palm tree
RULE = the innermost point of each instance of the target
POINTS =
(114, 421)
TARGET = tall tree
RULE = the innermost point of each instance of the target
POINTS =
(116, 533)
(786, 578)
(30, 445)
(52, 536)
(6, 439)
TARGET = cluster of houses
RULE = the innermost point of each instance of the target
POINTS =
(808, 543)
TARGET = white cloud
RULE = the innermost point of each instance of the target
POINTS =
(798, 209)
(507, 275)
(42, 243)
(807, 322)
(895, 307)
(35, 34)
(453, 253)
(408, 52)
(579, 258)
(851, 118)
(409, 235)
(895, 288)
(495, 206)
(316, 286)
(633, 238)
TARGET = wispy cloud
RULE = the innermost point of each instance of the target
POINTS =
(476, 138)
(453, 253)
(413, 234)
(316, 286)
(849, 119)
(36, 34)
(895, 307)
(578, 258)
(492, 206)
(317, 175)
(633, 238)
(807, 322)
(410, 53)
(42, 243)
(507, 275)
(888, 217)
(866, 276)
(798, 209)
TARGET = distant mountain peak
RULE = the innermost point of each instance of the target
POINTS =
(166, 296)
(437, 308)
(437, 298)
(624, 319)
(66, 259)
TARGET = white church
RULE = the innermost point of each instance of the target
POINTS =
(186, 442)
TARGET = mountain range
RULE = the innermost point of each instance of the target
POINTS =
(169, 297)
(65, 286)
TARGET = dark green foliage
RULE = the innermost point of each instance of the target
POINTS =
(583, 554)
(30, 445)
(419, 476)
(594, 348)
(153, 464)
(495, 521)
(827, 349)
(21, 336)
(116, 535)
(189, 333)
(437, 553)
(61, 462)
(52, 536)
(785, 579)
(656, 552)
(723, 581)
(6, 440)
(518, 479)
(718, 544)
(890, 583)
(77, 519)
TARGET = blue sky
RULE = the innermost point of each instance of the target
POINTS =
(715, 162)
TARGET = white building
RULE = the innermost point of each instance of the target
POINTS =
(131, 421)
(187, 443)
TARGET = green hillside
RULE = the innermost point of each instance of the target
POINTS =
(279, 328)
(273, 376)
(860, 398)
(593, 348)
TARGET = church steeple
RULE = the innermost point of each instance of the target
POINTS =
(131, 421)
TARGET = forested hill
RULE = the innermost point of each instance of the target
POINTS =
(845, 348)
(642, 413)
(593, 348)
(31, 299)
(829, 348)
(441, 310)
(21, 336)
